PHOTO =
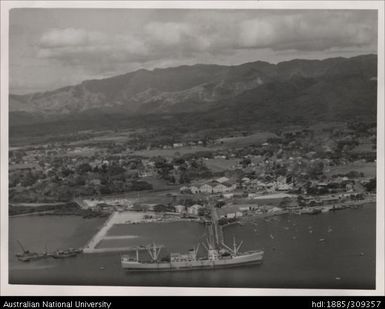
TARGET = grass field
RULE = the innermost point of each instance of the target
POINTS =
(170, 153)
(220, 165)
(237, 141)
(369, 169)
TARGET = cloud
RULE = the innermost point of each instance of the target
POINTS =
(311, 31)
(201, 36)
(56, 38)
(87, 48)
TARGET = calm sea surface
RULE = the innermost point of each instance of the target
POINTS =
(294, 255)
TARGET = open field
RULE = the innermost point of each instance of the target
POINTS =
(149, 196)
(237, 141)
(82, 152)
(368, 168)
(220, 165)
(109, 136)
(170, 153)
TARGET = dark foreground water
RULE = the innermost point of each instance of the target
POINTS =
(294, 255)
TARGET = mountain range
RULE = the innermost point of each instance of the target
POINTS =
(330, 89)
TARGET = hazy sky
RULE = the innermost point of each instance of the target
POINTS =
(51, 48)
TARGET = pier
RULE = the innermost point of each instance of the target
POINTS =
(100, 235)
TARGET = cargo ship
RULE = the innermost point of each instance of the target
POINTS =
(190, 261)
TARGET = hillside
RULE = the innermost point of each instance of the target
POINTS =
(330, 89)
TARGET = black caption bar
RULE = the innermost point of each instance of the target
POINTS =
(113, 302)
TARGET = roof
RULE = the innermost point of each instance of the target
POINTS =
(196, 206)
(179, 206)
(222, 179)
(207, 185)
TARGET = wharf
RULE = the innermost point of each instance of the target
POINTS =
(100, 235)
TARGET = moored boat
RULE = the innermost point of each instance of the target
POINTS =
(62, 254)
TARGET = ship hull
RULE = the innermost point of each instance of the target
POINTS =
(245, 259)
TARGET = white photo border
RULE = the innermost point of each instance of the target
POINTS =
(53, 290)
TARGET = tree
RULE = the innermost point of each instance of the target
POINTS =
(245, 162)
(301, 200)
(285, 202)
(83, 168)
(220, 204)
(371, 185)
(140, 185)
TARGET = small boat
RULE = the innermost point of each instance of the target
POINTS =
(62, 254)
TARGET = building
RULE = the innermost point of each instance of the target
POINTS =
(180, 209)
(194, 189)
(284, 187)
(184, 189)
(220, 188)
(228, 195)
(194, 209)
(224, 187)
(229, 211)
(206, 189)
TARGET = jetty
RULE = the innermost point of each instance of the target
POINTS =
(100, 235)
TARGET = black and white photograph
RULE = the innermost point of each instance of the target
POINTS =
(230, 145)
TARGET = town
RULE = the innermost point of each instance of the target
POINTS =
(299, 170)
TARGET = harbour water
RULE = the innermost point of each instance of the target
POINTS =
(333, 250)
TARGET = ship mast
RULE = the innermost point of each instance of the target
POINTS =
(154, 251)
(21, 246)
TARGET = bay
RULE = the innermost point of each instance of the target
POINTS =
(326, 251)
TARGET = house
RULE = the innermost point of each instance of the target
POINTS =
(330, 199)
(180, 209)
(185, 189)
(284, 187)
(229, 211)
(228, 195)
(349, 188)
(95, 182)
(245, 180)
(206, 189)
(194, 189)
(220, 188)
(274, 210)
(194, 209)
